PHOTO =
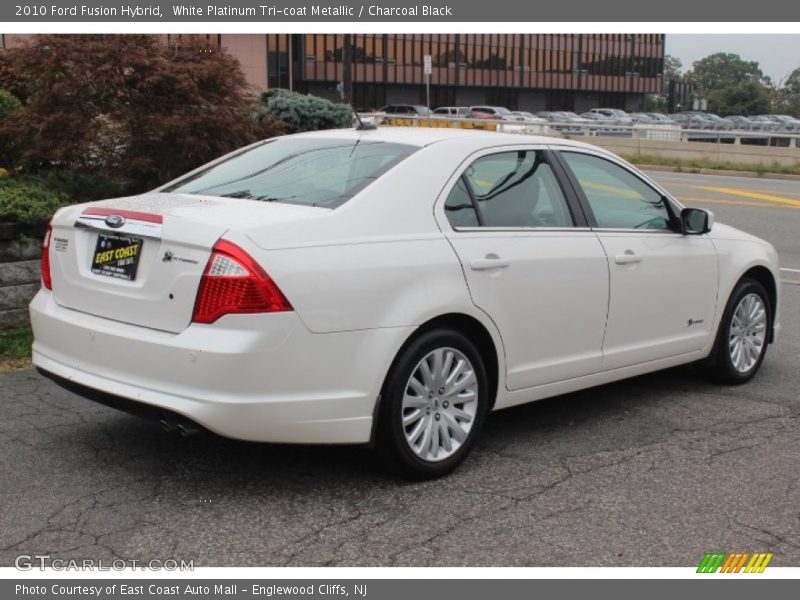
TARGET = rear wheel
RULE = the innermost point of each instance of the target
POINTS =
(743, 334)
(434, 402)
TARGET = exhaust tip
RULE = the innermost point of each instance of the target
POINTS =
(187, 429)
(173, 424)
(165, 423)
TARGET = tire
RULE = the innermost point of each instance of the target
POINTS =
(751, 335)
(442, 418)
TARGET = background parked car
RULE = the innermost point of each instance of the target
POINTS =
(618, 114)
(563, 117)
(719, 122)
(413, 110)
(492, 112)
(785, 122)
(600, 118)
(527, 117)
(641, 118)
(742, 123)
(693, 120)
(575, 117)
(764, 123)
(452, 112)
(660, 118)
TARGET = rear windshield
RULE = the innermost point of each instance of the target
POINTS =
(309, 171)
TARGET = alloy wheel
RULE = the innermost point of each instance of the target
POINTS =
(747, 333)
(439, 404)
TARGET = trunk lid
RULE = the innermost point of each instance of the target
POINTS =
(139, 260)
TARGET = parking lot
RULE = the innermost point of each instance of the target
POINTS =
(654, 471)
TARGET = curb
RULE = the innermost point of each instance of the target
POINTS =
(699, 171)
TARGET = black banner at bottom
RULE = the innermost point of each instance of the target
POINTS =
(393, 589)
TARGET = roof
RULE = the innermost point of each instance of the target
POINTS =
(424, 136)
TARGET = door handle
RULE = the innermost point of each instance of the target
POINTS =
(491, 261)
(628, 258)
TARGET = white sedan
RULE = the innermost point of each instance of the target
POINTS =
(391, 287)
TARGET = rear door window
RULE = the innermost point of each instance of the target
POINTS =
(511, 189)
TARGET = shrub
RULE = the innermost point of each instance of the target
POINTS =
(303, 112)
(8, 104)
(80, 186)
(130, 106)
(29, 202)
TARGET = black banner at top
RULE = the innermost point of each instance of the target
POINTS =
(409, 11)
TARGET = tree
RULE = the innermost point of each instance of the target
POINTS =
(732, 85)
(303, 112)
(749, 98)
(722, 70)
(792, 82)
(788, 96)
(655, 103)
(129, 106)
(9, 80)
(8, 105)
(672, 69)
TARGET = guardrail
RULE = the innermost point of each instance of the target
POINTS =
(736, 137)
(647, 131)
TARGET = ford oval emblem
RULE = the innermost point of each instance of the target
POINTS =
(115, 221)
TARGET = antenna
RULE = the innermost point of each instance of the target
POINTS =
(361, 125)
(340, 87)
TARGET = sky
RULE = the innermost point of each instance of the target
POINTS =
(777, 54)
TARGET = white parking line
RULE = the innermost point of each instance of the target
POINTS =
(790, 270)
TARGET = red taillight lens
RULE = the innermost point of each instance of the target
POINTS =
(234, 283)
(47, 281)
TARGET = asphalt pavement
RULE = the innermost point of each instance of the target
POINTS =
(654, 471)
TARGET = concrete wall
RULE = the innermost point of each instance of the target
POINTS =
(733, 153)
(20, 251)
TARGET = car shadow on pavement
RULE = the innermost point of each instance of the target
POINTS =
(536, 429)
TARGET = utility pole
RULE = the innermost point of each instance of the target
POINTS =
(347, 70)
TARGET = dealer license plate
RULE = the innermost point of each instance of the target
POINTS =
(117, 256)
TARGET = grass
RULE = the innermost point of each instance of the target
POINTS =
(15, 349)
(693, 164)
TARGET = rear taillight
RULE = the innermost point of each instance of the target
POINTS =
(47, 281)
(234, 283)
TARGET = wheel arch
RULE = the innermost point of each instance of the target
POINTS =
(477, 332)
(765, 277)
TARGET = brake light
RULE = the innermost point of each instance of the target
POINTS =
(235, 283)
(47, 281)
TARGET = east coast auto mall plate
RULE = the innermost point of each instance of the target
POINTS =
(117, 256)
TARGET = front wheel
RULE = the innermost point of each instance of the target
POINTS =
(743, 334)
(433, 404)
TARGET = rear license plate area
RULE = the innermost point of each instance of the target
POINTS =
(117, 256)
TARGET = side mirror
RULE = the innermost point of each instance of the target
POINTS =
(696, 221)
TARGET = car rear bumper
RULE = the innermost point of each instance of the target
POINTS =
(252, 377)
